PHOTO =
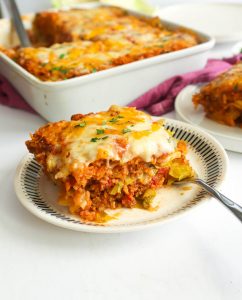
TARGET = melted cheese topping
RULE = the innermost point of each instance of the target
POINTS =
(119, 134)
(87, 41)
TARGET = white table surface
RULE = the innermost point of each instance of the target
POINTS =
(197, 257)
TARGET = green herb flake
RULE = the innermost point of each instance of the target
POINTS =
(94, 70)
(236, 87)
(56, 69)
(100, 131)
(62, 55)
(83, 124)
(104, 122)
(94, 140)
(126, 130)
(64, 71)
(113, 120)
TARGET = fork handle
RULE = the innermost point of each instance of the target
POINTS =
(232, 206)
(19, 27)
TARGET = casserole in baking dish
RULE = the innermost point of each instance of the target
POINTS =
(82, 41)
(131, 77)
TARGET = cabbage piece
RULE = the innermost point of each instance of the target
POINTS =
(148, 197)
(180, 171)
(117, 189)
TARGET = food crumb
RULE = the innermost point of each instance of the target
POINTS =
(186, 188)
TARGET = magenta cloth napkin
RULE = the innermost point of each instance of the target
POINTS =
(10, 97)
(157, 101)
(160, 99)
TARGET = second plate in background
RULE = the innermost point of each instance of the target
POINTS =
(229, 137)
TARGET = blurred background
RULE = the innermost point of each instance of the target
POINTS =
(225, 25)
(33, 5)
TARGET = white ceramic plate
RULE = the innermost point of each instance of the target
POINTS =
(206, 155)
(237, 48)
(223, 21)
(229, 137)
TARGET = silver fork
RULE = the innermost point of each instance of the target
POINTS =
(232, 206)
(1, 13)
(18, 24)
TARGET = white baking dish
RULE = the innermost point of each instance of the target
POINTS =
(97, 91)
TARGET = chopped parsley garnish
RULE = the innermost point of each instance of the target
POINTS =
(64, 71)
(126, 130)
(104, 122)
(236, 87)
(100, 131)
(94, 140)
(83, 124)
(56, 69)
(62, 55)
(94, 70)
(114, 120)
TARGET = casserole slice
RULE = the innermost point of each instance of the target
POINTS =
(108, 160)
(222, 97)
